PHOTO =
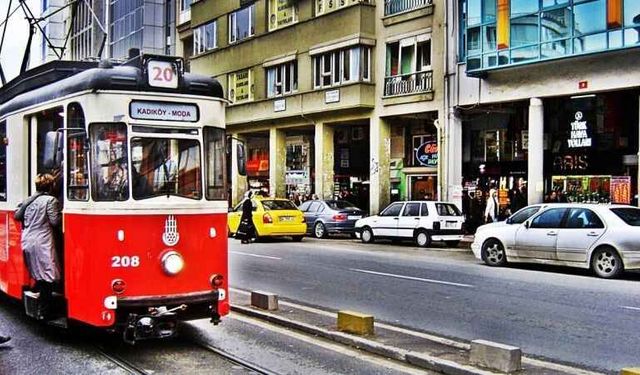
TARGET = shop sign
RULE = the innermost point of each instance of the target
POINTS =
(162, 111)
(280, 105)
(427, 154)
(525, 139)
(571, 163)
(579, 133)
(621, 190)
(299, 177)
(332, 96)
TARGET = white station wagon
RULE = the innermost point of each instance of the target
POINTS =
(422, 221)
(605, 238)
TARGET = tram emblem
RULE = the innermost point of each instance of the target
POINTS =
(170, 237)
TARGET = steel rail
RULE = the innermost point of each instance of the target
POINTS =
(122, 363)
(235, 359)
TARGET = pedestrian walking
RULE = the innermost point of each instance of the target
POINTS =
(491, 211)
(40, 217)
(246, 230)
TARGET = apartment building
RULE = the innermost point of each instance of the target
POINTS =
(544, 100)
(329, 96)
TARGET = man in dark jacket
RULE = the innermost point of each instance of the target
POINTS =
(246, 229)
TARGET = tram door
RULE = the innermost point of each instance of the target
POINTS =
(44, 125)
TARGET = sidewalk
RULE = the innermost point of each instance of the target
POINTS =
(416, 348)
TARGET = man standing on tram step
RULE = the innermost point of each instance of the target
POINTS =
(246, 230)
(40, 216)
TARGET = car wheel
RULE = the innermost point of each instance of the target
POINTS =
(452, 243)
(367, 235)
(319, 230)
(422, 238)
(493, 253)
(606, 262)
(297, 238)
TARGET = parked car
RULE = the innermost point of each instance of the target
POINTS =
(422, 221)
(330, 217)
(273, 217)
(605, 238)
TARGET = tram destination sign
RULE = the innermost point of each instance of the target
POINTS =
(163, 111)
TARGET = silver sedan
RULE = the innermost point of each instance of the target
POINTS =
(605, 238)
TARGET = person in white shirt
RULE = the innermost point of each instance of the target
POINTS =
(491, 211)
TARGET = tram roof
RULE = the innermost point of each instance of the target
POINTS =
(58, 79)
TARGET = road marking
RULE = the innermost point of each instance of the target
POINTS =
(338, 348)
(412, 278)
(631, 308)
(254, 255)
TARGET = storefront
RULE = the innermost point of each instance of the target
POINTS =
(414, 158)
(351, 164)
(591, 146)
(299, 177)
(495, 146)
(258, 163)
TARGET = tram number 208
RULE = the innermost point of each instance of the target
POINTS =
(125, 261)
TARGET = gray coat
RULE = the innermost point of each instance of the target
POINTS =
(41, 216)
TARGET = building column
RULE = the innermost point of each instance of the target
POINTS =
(324, 160)
(238, 182)
(379, 158)
(535, 173)
(277, 162)
(637, 192)
(453, 157)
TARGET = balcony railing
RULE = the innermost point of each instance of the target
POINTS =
(412, 83)
(399, 6)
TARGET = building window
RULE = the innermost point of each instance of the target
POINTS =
(282, 13)
(503, 32)
(462, 32)
(242, 24)
(241, 86)
(185, 5)
(408, 66)
(204, 38)
(399, 6)
(342, 66)
(282, 79)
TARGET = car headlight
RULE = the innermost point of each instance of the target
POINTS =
(172, 263)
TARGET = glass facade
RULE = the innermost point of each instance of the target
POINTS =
(536, 30)
(137, 24)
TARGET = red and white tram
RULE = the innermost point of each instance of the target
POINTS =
(141, 147)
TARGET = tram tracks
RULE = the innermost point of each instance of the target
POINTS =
(121, 362)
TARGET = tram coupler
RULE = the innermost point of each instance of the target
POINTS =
(158, 324)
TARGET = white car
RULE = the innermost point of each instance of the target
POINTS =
(605, 238)
(422, 221)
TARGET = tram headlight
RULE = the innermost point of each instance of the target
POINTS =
(172, 263)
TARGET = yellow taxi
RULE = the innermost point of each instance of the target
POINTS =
(273, 217)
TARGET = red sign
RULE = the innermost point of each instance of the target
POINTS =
(583, 85)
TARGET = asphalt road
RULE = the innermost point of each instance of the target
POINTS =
(557, 313)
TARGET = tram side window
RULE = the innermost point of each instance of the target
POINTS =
(49, 120)
(109, 162)
(3, 161)
(77, 148)
(215, 154)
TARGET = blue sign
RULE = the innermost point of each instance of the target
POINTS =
(427, 154)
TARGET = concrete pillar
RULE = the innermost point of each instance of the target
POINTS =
(324, 160)
(238, 183)
(535, 174)
(277, 162)
(453, 156)
(380, 151)
(637, 192)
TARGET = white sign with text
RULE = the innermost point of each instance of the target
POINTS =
(143, 110)
(162, 74)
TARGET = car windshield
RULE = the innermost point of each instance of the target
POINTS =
(166, 166)
(629, 215)
(446, 209)
(339, 205)
(278, 205)
(522, 215)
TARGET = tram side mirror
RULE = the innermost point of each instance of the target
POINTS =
(242, 159)
(52, 150)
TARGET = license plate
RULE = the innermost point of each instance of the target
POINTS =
(286, 218)
(450, 224)
(354, 217)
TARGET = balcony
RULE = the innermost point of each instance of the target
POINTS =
(408, 84)
(392, 7)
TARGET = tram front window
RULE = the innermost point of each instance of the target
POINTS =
(163, 166)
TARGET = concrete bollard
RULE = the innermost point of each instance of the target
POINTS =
(630, 371)
(264, 300)
(354, 322)
(495, 356)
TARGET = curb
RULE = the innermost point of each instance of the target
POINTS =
(414, 358)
